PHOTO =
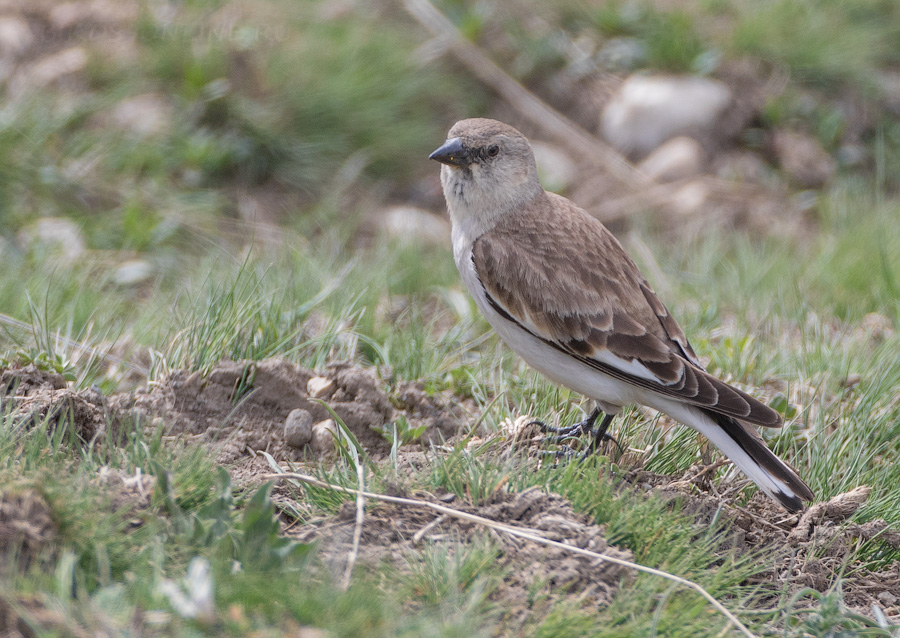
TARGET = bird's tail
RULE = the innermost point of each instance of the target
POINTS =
(749, 452)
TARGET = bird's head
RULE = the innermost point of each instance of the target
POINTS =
(488, 169)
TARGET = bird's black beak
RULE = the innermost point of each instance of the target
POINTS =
(452, 153)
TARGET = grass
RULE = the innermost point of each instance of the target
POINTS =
(859, 37)
(333, 117)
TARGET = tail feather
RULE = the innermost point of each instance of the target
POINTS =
(751, 454)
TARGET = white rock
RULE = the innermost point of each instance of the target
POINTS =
(132, 272)
(323, 435)
(51, 68)
(852, 154)
(298, 428)
(887, 598)
(889, 82)
(144, 115)
(66, 15)
(320, 387)
(647, 110)
(679, 158)
(415, 225)
(59, 234)
(556, 169)
(690, 198)
(15, 35)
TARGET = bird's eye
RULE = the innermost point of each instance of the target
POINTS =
(493, 150)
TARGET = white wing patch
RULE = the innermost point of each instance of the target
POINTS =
(633, 367)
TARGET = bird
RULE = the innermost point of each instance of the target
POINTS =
(562, 293)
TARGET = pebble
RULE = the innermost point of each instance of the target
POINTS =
(556, 169)
(647, 110)
(143, 115)
(679, 158)
(415, 226)
(320, 387)
(60, 235)
(133, 271)
(15, 36)
(53, 67)
(298, 428)
(323, 434)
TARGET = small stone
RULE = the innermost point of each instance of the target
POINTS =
(298, 428)
(53, 67)
(320, 387)
(415, 225)
(15, 35)
(802, 158)
(556, 169)
(61, 235)
(143, 115)
(133, 271)
(66, 15)
(647, 110)
(323, 434)
(852, 155)
(888, 598)
(679, 158)
(690, 198)
(889, 82)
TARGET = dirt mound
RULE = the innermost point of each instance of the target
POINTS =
(35, 397)
(391, 532)
(245, 405)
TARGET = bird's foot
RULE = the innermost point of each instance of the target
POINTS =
(562, 434)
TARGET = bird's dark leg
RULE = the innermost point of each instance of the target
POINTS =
(598, 434)
(601, 434)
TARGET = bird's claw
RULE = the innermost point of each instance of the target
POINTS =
(561, 434)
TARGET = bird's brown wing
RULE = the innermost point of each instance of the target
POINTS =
(558, 273)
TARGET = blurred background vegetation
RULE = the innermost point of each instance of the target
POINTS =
(146, 122)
